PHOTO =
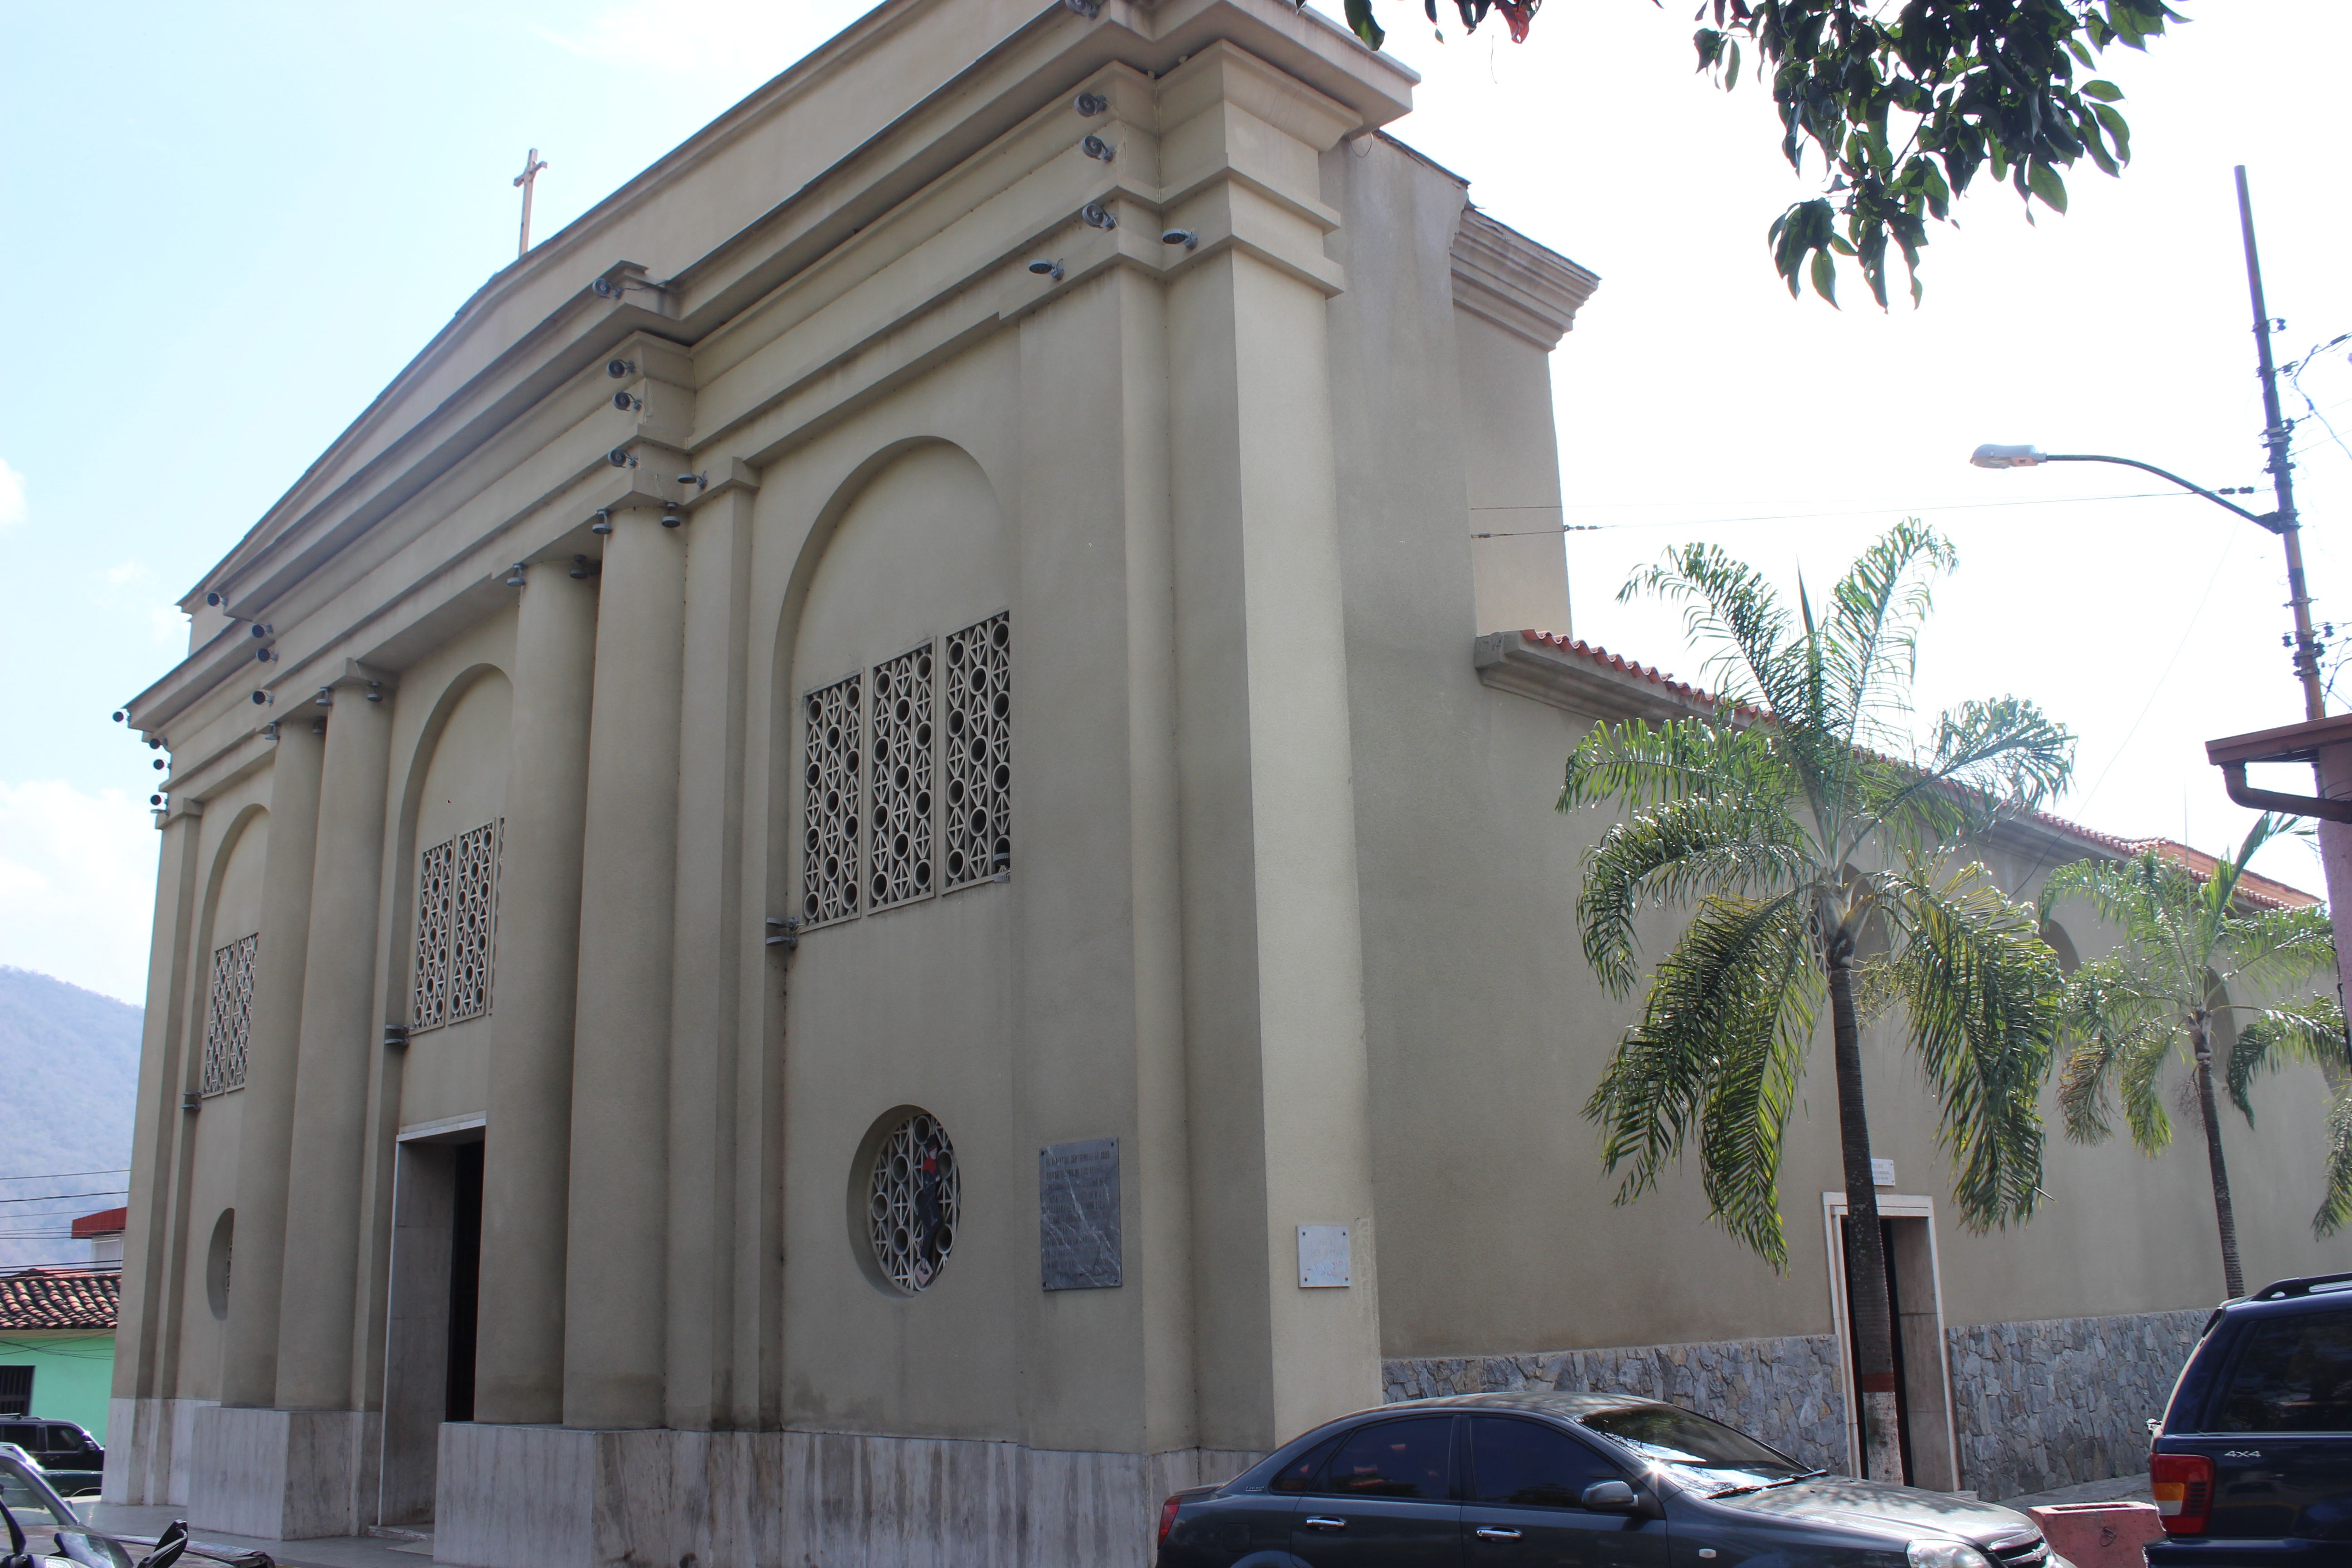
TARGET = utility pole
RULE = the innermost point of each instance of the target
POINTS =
(2275, 432)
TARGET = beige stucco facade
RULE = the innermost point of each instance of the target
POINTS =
(519, 809)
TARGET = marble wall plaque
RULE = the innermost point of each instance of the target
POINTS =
(1325, 1262)
(1077, 1215)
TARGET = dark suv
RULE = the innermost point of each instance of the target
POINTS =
(1587, 1480)
(2252, 1462)
(72, 1458)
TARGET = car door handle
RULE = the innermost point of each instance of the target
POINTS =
(1324, 1522)
(1495, 1532)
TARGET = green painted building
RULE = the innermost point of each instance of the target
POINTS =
(57, 1344)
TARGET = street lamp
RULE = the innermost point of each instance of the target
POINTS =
(2306, 643)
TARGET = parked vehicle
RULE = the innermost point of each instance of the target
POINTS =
(74, 1460)
(1518, 1480)
(2253, 1461)
(42, 1528)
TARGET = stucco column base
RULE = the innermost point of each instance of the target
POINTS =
(150, 1445)
(280, 1475)
(555, 1497)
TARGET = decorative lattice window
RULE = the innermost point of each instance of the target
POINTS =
(901, 853)
(457, 929)
(830, 814)
(978, 698)
(914, 1201)
(228, 1015)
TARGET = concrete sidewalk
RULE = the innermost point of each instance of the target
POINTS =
(335, 1551)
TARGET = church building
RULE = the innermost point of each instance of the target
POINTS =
(870, 874)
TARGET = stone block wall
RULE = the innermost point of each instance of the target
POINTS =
(1785, 1391)
(2063, 1401)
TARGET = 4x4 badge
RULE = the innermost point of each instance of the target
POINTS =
(2242, 1454)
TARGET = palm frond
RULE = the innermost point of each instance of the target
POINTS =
(1730, 609)
(1981, 988)
(1718, 1051)
(2276, 949)
(1637, 763)
(2110, 1017)
(1991, 759)
(2309, 1030)
(2336, 1203)
(1672, 852)
(1869, 640)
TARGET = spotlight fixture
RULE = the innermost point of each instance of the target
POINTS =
(1045, 268)
(395, 1034)
(326, 697)
(261, 631)
(1090, 104)
(1098, 149)
(514, 575)
(155, 745)
(699, 481)
(263, 700)
(670, 518)
(626, 404)
(376, 691)
(213, 598)
(269, 731)
(118, 715)
(785, 933)
(604, 523)
(582, 567)
(1097, 215)
(263, 656)
(1089, 9)
(155, 800)
(1184, 237)
(617, 368)
(621, 457)
(158, 764)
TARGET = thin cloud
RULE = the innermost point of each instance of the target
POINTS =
(76, 885)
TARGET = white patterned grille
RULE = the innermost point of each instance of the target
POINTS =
(978, 698)
(228, 1013)
(473, 921)
(830, 814)
(457, 929)
(914, 1201)
(900, 858)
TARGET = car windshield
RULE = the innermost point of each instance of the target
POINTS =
(1707, 1454)
(28, 1497)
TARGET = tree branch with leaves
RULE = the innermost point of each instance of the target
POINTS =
(1905, 102)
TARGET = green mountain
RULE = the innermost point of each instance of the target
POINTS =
(69, 1080)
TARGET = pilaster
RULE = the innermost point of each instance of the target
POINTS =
(338, 1042)
(613, 1347)
(526, 1156)
(249, 1347)
(1272, 958)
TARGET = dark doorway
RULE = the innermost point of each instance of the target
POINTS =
(1922, 1389)
(464, 1279)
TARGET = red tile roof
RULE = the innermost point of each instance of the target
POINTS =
(105, 1222)
(2261, 891)
(60, 1298)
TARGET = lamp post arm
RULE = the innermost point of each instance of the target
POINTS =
(2268, 519)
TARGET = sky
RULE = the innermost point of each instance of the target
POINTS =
(233, 225)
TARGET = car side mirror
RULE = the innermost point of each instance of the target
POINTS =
(168, 1547)
(1610, 1496)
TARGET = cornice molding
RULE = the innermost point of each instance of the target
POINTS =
(1502, 276)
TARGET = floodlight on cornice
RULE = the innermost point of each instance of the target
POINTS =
(621, 457)
(617, 368)
(1184, 237)
(1045, 268)
(626, 404)
(1096, 216)
(1100, 150)
(1089, 104)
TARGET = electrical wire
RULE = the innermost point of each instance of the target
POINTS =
(62, 1175)
(63, 1197)
(1805, 516)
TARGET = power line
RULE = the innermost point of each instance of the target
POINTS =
(63, 1197)
(62, 1175)
(1807, 515)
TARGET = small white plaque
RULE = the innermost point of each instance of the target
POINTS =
(1323, 1259)
(1882, 1173)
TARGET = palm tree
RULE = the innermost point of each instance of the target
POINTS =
(1817, 839)
(2186, 942)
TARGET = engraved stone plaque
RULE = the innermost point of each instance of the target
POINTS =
(1077, 1215)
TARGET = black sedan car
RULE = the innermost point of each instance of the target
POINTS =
(1569, 1480)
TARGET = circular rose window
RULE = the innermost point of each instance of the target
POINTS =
(913, 1199)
